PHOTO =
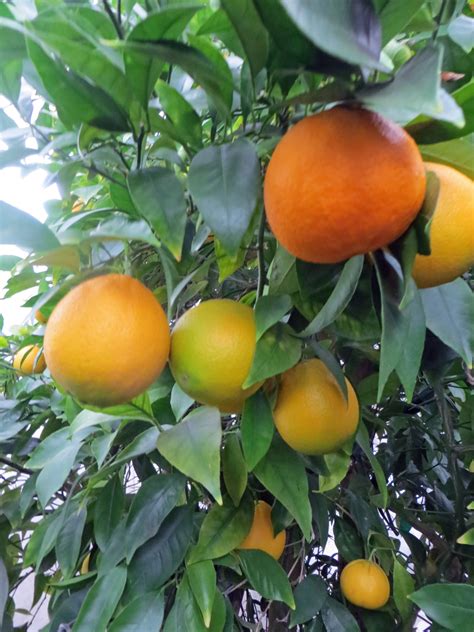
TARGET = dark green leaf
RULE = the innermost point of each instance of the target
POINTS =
(18, 228)
(454, 153)
(181, 114)
(3, 588)
(396, 15)
(332, 364)
(143, 444)
(143, 613)
(403, 585)
(234, 469)
(223, 529)
(185, 615)
(364, 442)
(202, 580)
(101, 601)
(337, 464)
(257, 428)
(108, 511)
(225, 182)
(193, 447)
(266, 576)
(337, 617)
(68, 544)
(450, 605)
(310, 597)
(269, 310)
(348, 542)
(159, 197)
(283, 473)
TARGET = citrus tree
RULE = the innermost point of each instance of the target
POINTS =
(275, 196)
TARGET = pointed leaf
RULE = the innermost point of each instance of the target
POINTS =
(257, 428)
(143, 613)
(337, 617)
(450, 605)
(68, 545)
(234, 469)
(364, 442)
(269, 310)
(108, 511)
(18, 228)
(310, 597)
(403, 585)
(202, 580)
(101, 601)
(266, 576)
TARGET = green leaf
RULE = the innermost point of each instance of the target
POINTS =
(340, 297)
(68, 544)
(43, 538)
(332, 364)
(449, 311)
(158, 559)
(348, 542)
(396, 15)
(225, 182)
(310, 597)
(193, 447)
(251, 32)
(7, 262)
(257, 428)
(185, 615)
(119, 227)
(180, 114)
(223, 529)
(467, 537)
(454, 153)
(364, 442)
(461, 31)
(101, 601)
(337, 617)
(154, 501)
(282, 472)
(202, 580)
(450, 605)
(347, 30)
(269, 310)
(143, 613)
(337, 464)
(266, 576)
(108, 511)
(234, 468)
(277, 350)
(56, 470)
(159, 197)
(3, 588)
(18, 228)
(415, 90)
(180, 401)
(143, 444)
(403, 329)
(403, 585)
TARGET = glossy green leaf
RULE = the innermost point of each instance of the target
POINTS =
(282, 472)
(21, 229)
(467, 537)
(180, 114)
(277, 350)
(450, 605)
(337, 618)
(180, 401)
(68, 544)
(159, 197)
(364, 442)
(269, 310)
(108, 511)
(56, 470)
(143, 444)
(396, 15)
(224, 180)
(257, 428)
(337, 464)
(43, 538)
(202, 580)
(119, 227)
(185, 615)
(403, 585)
(266, 576)
(223, 529)
(234, 468)
(3, 588)
(143, 613)
(101, 601)
(449, 311)
(154, 501)
(348, 541)
(454, 153)
(310, 597)
(193, 447)
(461, 31)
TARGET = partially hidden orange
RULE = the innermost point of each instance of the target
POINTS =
(343, 182)
(29, 360)
(261, 535)
(107, 340)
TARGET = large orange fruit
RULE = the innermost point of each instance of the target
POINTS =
(311, 413)
(341, 183)
(212, 350)
(365, 584)
(261, 534)
(29, 360)
(451, 231)
(107, 340)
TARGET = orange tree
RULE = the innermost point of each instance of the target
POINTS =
(304, 461)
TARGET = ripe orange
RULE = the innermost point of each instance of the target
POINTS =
(212, 350)
(341, 183)
(40, 317)
(311, 413)
(77, 206)
(451, 232)
(29, 360)
(107, 340)
(365, 584)
(261, 534)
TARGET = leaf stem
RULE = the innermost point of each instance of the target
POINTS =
(114, 19)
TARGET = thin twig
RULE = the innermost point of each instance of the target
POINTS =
(262, 276)
(15, 466)
(113, 17)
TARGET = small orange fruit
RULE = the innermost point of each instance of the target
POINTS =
(311, 413)
(212, 350)
(451, 232)
(40, 317)
(77, 206)
(29, 360)
(107, 340)
(341, 183)
(365, 584)
(261, 534)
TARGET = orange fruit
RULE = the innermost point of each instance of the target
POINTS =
(29, 360)
(342, 183)
(40, 317)
(311, 413)
(77, 206)
(261, 534)
(451, 232)
(365, 584)
(107, 340)
(212, 350)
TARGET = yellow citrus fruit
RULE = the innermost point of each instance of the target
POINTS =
(311, 413)
(212, 350)
(451, 232)
(365, 584)
(343, 182)
(40, 317)
(107, 340)
(29, 360)
(261, 534)
(77, 206)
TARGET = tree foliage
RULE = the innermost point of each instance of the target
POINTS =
(155, 120)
